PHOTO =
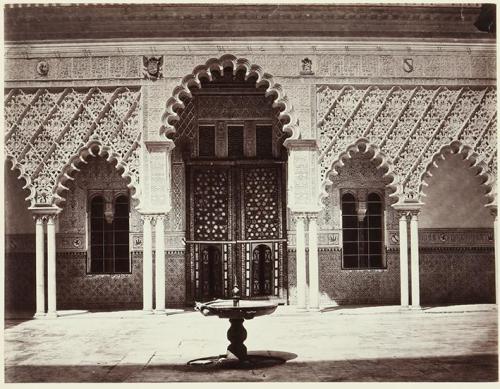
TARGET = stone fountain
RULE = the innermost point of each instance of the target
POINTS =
(237, 311)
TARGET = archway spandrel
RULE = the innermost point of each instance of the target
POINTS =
(55, 126)
(408, 125)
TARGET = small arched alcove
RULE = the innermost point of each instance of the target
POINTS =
(456, 235)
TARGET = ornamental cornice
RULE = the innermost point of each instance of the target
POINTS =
(192, 46)
(177, 20)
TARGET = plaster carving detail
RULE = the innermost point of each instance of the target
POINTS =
(53, 127)
(405, 126)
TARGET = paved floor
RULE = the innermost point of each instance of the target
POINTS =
(455, 343)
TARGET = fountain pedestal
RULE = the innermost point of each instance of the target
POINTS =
(236, 334)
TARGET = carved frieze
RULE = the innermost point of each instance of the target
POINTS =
(73, 68)
(71, 242)
(455, 237)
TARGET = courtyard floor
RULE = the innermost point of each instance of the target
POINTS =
(452, 343)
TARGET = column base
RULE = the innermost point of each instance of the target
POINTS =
(301, 309)
(39, 315)
(148, 311)
(415, 308)
(51, 315)
(160, 312)
(314, 309)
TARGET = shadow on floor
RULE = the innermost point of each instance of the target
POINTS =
(470, 368)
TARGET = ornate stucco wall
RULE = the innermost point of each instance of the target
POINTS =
(402, 101)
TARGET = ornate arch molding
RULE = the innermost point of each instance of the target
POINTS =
(468, 155)
(380, 160)
(193, 79)
(92, 149)
(14, 166)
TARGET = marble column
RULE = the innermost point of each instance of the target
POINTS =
(403, 259)
(40, 271)
(415, 276)
(147, 265)
(51, 267)
(496, 237)
(160, 264)
(301, 263)
(313, 264)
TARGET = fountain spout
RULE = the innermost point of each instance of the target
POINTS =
(236, 295)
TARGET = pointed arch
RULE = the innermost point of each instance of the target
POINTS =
(468, 155)
(174, 103)
(363, 145)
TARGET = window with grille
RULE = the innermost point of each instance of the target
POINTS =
(362, 231)
(109, 235)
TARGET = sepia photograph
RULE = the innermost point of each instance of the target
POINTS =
(266, 192)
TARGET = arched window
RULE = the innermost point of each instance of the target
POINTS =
(362, 231)
(109, 235)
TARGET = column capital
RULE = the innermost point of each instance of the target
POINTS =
(408, 209)
(305, 215)
(44, 212)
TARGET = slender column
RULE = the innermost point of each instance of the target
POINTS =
(496, 237)
(403, 258)
(147, 265)
(313, 264)
(301, 263)
(415, 277)
(40, 271)
(160, 264)
(51, 267)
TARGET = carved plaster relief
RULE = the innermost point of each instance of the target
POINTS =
(48, 128)
(407, 125)
(75, 68)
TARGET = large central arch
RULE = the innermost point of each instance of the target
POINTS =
(193, 79)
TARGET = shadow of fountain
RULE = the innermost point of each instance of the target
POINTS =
(258, 359)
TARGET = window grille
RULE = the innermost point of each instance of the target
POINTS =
(109, 236)
(362, 232)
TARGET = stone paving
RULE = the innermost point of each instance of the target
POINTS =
(356, 344)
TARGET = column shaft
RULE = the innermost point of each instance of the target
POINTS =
(313, 264)
(40, 271)
(496, 237)
(160, 264)
(51, 267)
(147, 266)
(415, 276)
(403, 260)
(301, 263)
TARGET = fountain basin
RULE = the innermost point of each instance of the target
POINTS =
(241, 309)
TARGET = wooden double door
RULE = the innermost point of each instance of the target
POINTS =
(236, 235)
